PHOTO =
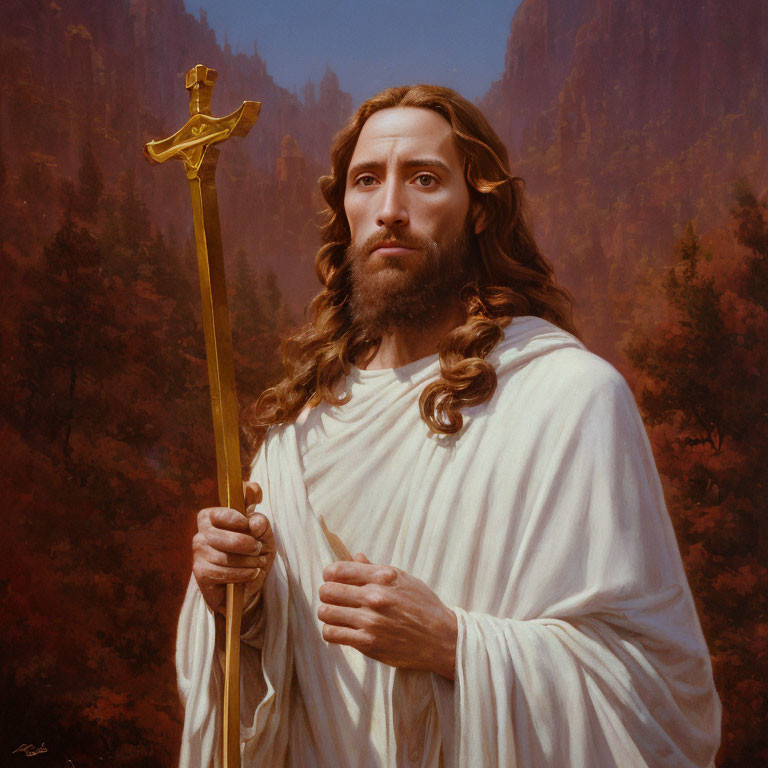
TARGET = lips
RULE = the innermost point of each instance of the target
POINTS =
(392, 248)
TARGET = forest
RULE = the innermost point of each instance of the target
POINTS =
(654, 213)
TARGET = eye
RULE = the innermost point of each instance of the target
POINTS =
(426, 180)
(366, 180)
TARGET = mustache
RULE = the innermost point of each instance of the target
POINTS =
(384, 235)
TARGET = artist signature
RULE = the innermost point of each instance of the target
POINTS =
(30, 750)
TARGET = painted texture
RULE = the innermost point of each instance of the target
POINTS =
(627, 120)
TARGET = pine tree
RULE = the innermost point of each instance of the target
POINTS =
(132, 216)
(68, 336)
(702, 374)
(751, 217)
(90, 185)
(685, 365)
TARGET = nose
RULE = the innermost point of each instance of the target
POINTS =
(393, 209)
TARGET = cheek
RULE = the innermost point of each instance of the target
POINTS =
(353, 212)
(442, 213)
(445, 220)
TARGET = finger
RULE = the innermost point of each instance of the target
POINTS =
(252, 492)
(216, 574)
(234, 543)
(348, 572)
(361, 558)
(357, 638)
(258, 583)
(259, 526)
(341, 594)
(352, 572)
(227, 519)
(228, 560)
(355, 618)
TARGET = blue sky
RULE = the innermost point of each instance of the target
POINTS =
(370, 45)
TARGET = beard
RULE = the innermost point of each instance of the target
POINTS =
(407, 292)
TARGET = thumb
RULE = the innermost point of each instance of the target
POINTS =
(252, 493)
(361, 558)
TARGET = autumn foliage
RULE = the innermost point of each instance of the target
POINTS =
(701, 379)
(108, 454)
(625, 119)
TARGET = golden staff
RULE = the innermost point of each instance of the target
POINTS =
(194, 145)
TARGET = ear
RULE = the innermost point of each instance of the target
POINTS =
(478, 218)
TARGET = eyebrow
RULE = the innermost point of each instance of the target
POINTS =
(423, 162)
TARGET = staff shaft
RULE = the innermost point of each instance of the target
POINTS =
(221, 376)
(193, 144)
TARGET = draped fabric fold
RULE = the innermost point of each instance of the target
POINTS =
(541, 524)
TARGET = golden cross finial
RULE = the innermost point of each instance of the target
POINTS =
(202, 131)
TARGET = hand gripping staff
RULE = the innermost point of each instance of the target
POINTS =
(194, 146)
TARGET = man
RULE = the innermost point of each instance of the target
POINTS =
(518, 598)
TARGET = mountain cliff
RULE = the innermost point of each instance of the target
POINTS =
(111, 75)
(627, 119)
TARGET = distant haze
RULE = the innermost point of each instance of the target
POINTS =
(370, 45)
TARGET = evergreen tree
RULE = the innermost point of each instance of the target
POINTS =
(260, 321)
(274, 303)
(90, 185)
(751, 217)
(702, 374)
(687, 362)
(132, 216)
(69, 337)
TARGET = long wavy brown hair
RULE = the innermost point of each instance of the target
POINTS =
(512, 279)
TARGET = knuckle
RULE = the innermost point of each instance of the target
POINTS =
(366, 643)
(202, 573)
(377, 597)
(224, 517)
(388, 574)
(329, 572)
(368, 620)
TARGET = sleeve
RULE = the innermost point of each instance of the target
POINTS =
(200, 649)
(602, 661)
(200, 675)
(200, 681)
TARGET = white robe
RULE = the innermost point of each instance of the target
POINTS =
(542, 524)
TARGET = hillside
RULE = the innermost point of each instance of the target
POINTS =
(628, 119)
(111, 75)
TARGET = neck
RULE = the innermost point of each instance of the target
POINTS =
(401, 345)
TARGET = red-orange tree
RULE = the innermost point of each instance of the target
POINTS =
(701, 374)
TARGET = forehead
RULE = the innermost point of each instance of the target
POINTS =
(407, 132)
